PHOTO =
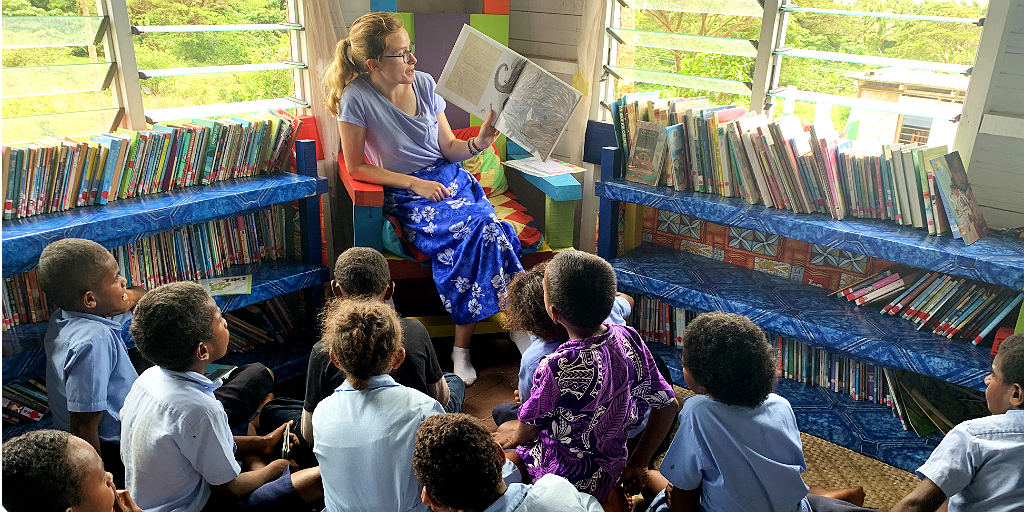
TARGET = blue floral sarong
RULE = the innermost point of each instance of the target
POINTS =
(473, 254)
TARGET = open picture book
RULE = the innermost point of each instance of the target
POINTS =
(531, 106)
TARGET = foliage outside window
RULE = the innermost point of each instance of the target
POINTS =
(196, 49)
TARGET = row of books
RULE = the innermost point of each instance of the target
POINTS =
(923, 405)
(24, 301)
(258, 324)
(58, 174)
(186, 253)
(657, 322)
(949, 306)
(204, 250)
(687, 143)
(24, 402)
(818, 367)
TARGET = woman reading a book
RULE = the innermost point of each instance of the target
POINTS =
(394, 133)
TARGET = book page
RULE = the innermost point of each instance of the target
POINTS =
(537, 110)
(479, 74)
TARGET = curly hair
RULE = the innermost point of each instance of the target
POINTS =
(730, 357)
(39, 474)
(581, 286)
(362, 272)
(367, 39)
(1011, 359)
(523, 306)
(170, 321)
(70, 267)
(457, 461)
(363, 335)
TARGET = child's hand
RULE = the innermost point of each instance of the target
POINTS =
(505, 438)
(634, 479)
(274, 440)
(123, 502)
(134, 294)
(516, 393)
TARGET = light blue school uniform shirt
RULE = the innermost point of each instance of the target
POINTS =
(395, 140)
(551, 493)
(747, 459)
(364, 442)
(176, 441)
(979, 464)
(87, 369)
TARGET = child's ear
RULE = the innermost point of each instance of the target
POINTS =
(553, 313)
(428, 501)
(1017, 397)
(334, 359)
(89, 299)
(390, 292)
(399, 358)
(202, 351)
(336, 288)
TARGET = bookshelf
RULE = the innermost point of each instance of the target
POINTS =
(127, 220)
(795, 309)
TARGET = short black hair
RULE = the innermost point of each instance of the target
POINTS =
(39, 474)
(363, 335)
(1011, 359)
(730, 357)
(457, 461)
(523, 306)
(70, 267)
(362, 271)
(581, 286)
(170, 321)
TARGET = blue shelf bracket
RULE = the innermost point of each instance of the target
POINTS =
(608, 216)
(309, 217)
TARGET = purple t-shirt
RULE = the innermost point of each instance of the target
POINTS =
(395, 140)
(586, 396)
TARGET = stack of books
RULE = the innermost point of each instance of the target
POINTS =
(24, 302)
(24, 402)
(817, 367)
(59, 174)
(949, 306)
(258, 324)
(686, 143)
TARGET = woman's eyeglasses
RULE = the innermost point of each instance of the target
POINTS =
(406, 56)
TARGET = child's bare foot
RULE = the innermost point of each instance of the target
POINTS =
(852, 495)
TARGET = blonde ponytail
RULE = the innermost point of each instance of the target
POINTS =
(364, 336)
(367, 39)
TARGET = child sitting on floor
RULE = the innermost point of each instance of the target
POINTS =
(53, 470)
(524, 312)
(979, 465)
(177, 447)
(593, 390)
(365, 431)
(88, 372)
(459, 466)
(737, 447)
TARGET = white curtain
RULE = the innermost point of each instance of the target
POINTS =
(591, 39)
(325, 26)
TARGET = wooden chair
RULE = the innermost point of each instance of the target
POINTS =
(411, 269)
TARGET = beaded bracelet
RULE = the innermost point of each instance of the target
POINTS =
(473, 150)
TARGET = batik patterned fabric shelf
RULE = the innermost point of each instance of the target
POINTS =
(994, 259)
(798, 310)
(131, 219)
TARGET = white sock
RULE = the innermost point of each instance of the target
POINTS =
(463, 367)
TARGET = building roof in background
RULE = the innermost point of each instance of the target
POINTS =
(913, 77)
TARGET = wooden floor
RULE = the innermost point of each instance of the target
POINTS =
(497, 364)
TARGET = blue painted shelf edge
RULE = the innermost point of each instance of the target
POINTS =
(800, 311)
(22, 344)
(132, 219)
(994, 259)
